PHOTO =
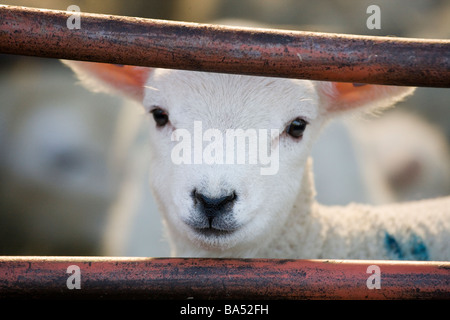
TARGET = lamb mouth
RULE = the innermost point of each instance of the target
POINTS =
(213, 232)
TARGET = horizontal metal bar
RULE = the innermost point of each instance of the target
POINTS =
(204, 47)
(178, 278)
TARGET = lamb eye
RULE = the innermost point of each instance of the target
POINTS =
(161, 117)
(296, 128)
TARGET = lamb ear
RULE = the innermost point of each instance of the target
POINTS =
(111, 78)
(340, 96)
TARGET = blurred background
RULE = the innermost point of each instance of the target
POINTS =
(73, 175)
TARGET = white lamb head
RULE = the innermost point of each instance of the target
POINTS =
(229, 151)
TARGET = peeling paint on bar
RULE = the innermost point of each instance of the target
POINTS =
(182, 278)
(205, 47)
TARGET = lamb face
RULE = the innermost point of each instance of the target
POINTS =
(208, 197)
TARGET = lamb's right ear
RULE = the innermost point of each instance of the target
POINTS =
(341, 97)
(111, 78)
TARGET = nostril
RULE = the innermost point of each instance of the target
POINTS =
(232, 196)
(194, 196)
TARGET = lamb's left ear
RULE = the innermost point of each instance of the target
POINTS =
(340, 96)
(112, 78)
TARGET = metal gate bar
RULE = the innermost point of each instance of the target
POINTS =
(202, 47)
(177, 278)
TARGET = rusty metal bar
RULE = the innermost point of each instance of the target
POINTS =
(178, 278)
(203, 47)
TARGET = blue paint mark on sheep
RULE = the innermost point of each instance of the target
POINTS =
(392, 247)
(418, 248)
(413, 249)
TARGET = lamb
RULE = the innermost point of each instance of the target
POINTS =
(234, 210)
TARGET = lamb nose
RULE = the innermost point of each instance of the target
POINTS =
(213, 206)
